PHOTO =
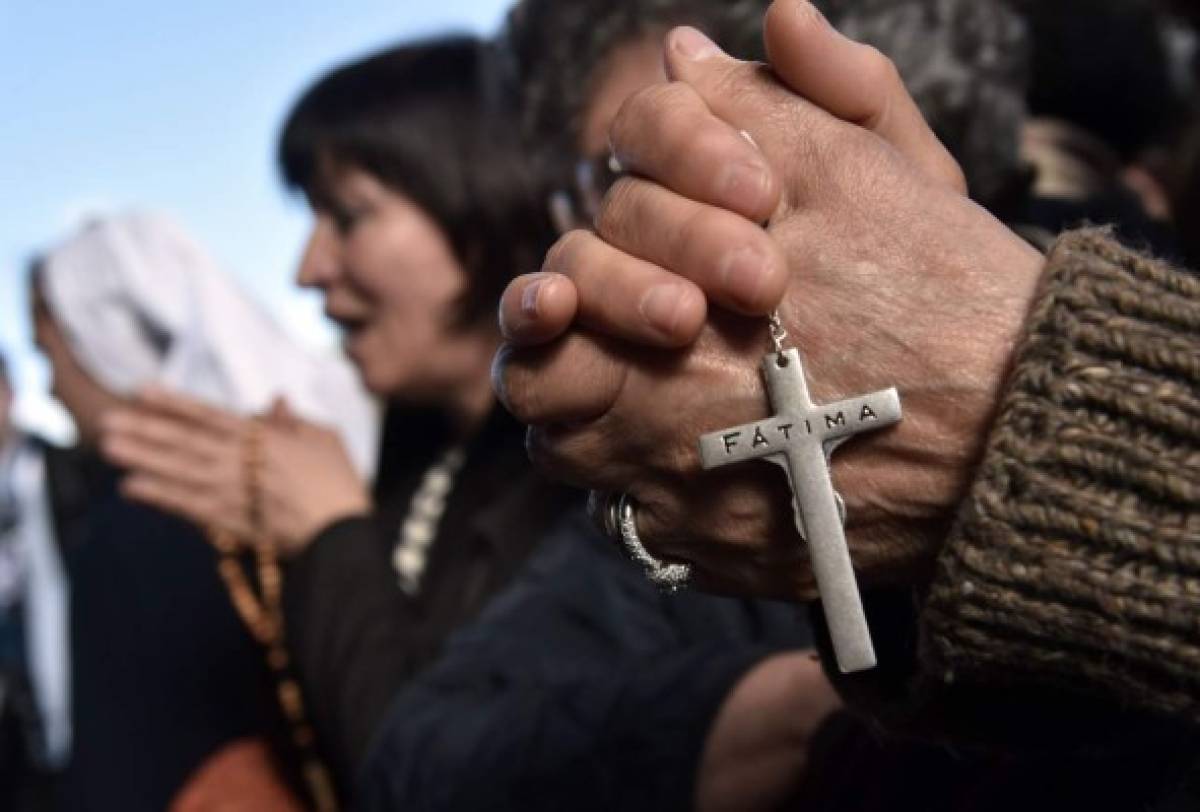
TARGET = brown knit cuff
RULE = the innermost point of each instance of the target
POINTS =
(1075, 561)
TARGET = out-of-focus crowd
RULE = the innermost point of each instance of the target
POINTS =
(266, 578)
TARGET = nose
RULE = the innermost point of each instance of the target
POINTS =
(320, 264)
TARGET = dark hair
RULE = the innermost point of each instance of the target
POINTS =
(5, 380)
(1104, 66)
(557, 46)
(966, 64)
(430, 121)
(965, 61)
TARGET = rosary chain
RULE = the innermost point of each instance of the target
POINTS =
(778, 332)
(264, 619)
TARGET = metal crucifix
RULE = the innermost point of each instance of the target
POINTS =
(800, 437)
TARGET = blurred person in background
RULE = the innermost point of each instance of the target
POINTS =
(39, 499)
(163, 674)
(423, 209)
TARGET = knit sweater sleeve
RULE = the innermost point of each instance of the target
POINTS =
(1075, 560)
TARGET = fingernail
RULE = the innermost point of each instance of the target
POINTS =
(744, 186)
(693, 44)
(529, 298)
(660, 307)
(743, 274)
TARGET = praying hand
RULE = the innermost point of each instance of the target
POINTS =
(992, 498)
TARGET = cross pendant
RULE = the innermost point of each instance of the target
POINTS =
(800, 438)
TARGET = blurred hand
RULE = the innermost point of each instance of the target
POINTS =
(757, 749)
(188, 458)
(884, 272)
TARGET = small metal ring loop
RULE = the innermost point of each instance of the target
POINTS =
(779, 334)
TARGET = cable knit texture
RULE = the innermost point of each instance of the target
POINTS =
(1076, 559)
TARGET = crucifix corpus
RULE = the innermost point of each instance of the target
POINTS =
(800, 438)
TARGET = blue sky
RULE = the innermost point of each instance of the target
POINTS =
(171, 105)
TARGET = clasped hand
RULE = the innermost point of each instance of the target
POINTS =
(188, 458)
(639, 337)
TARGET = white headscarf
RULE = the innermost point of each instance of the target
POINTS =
(140, 302)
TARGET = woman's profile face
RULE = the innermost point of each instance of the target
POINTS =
(391, 282)
(84, 399)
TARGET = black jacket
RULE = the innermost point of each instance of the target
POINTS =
(581, 687)
(355, 636)
(163, 672)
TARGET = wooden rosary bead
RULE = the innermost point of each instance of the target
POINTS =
(262, 614)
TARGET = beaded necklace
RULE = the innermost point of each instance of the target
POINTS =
(419, 528)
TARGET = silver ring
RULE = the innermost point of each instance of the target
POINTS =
(620, 523)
